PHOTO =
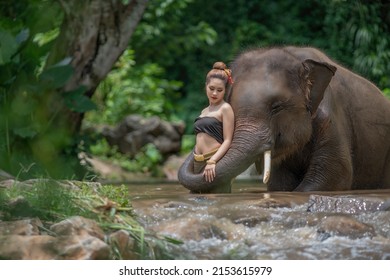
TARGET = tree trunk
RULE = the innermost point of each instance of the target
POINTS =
(93, 35)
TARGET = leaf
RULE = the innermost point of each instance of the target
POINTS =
(46, 37)
(173, 240)
(57, 75)
(25, 132)
(22, 36)
(77, 101)
(65, 61)
(8, 46)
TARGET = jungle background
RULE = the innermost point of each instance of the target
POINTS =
(68, 68)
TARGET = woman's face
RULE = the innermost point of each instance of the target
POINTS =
(215, 90)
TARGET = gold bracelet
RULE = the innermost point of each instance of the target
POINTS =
(211, 161)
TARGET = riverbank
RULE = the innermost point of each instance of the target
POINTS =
(44, 219)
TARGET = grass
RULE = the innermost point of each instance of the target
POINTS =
(108, 205)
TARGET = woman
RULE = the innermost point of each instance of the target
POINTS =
(214, 127)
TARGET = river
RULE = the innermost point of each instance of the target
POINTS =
(251, 223)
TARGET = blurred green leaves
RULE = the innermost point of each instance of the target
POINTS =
(133, 89)
(77, 101)
(147, 161)
(360, 38)
(32, 140)
(56, 76)
(8, 46)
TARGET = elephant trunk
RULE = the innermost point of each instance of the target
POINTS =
(246, 147)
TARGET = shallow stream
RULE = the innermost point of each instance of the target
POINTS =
(251, 223)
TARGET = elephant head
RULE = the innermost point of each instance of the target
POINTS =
(275, 97)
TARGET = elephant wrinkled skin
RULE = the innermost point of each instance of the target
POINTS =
(327, 128)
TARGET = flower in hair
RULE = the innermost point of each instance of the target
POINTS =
(229, 75)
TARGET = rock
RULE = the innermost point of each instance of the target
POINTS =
(171, 167)
(21, 227)
(111, 171)
(132, 142)
(346, 204)
(78, 226)
(19, 247)
(342, 225)
(200, 229)
(8, 183)
(77, 238)
(81, 247)
(134, 132)
(267, 201)
(166, 145)
(191, 229)
(45, 247)
(124, 243)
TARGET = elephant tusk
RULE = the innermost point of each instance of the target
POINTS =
(267, 166)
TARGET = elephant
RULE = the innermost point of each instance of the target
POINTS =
(311, 123)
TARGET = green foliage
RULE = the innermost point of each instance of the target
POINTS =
(45, 200)
(130, 89)
(119, 194)
(31, 105)
(170, 33)
(56, 76)
(77, 101)
(187, 143)
(8, 48)
(386, 92)
(358, 37)
(147, 161)
(101, 148)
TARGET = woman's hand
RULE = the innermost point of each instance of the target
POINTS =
(209, 172)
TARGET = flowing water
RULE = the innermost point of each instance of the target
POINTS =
(251, 223)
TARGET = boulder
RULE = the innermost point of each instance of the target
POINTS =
(343, 225)
(134, 132)
(346, 204)
(76, 238)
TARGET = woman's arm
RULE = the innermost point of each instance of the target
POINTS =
(228, 129)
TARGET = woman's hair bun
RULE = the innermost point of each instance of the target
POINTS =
(219, 65)
(220, 71)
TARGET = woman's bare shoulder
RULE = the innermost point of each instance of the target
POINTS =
(226, 107)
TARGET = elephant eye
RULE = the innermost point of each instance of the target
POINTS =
(276, 107)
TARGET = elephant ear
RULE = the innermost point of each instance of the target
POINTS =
(318, 76)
